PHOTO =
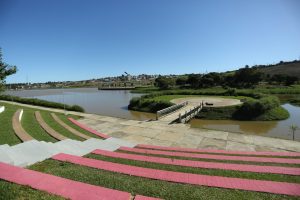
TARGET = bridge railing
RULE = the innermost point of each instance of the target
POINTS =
(188, 115)
(170, 109)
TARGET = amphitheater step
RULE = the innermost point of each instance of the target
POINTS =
(30, 152)
(186, 178)
(213, 157)
(5, 158)
(101, 144)
(255, 153)
(101, 135)
(4, 146)
(120, 142)
(200, 164)
(59, 186)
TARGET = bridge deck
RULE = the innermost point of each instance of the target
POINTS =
(174, 116)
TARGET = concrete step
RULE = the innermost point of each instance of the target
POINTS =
(94, 143)
(120, 142)
(70, 147)
(30, 152)
(4, 147)
(5, 158)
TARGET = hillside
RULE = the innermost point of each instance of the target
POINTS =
(287, 68)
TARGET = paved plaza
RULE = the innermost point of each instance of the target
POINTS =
(179, 135)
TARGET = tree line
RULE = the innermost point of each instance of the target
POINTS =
(242, 78)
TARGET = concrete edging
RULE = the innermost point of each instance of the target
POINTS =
(17, 126)
(2, 109)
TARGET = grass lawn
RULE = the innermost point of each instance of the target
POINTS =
(33, 128)
(7, 134)
(148, 187)
(13, 191)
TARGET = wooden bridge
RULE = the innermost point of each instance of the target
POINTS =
(180, 113)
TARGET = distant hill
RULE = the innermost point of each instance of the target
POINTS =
(288, 68)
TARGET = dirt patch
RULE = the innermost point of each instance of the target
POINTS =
(213, 101)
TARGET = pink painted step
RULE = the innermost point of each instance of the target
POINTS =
(200, 164)
(140, 197)
(59, 186)
(179, 177)
(210, 156)
(88, 129)
(292, 154)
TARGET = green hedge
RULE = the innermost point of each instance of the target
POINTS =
(39, 102)
(253, 108)
(142, 104)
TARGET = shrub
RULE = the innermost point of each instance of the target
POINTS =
(254, 108)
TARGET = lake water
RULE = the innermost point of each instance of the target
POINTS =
(104, 102)
(278, 129)
(114, 103)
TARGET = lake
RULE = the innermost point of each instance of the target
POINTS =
(114, 103)
(103, 102)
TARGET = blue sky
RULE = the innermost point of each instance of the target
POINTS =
(52, 40)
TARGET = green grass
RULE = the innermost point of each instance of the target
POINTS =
(7, 134)
(278, 113)
(65, 119)
(211, 172)
(57, 127)
(10, 191)
(33, 128)
(148, 187)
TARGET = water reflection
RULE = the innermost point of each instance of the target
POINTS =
(278, 129)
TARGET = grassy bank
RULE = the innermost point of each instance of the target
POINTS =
(31, 126)
(39, 102)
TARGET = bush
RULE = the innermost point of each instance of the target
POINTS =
(254, 108)
(146, 105)
(39, 102)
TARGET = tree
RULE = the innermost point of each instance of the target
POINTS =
(194, 80)
(5, 70)
(290, 80)
(247, 77)
(164, 83)
(181, 80)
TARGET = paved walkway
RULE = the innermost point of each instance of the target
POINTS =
(179, 135)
